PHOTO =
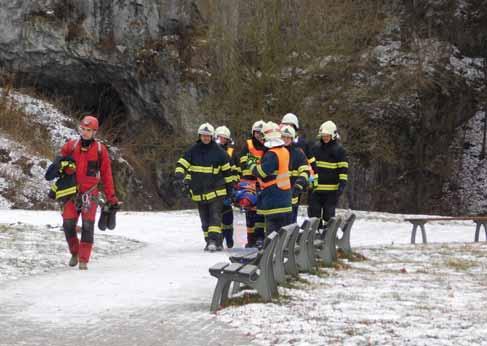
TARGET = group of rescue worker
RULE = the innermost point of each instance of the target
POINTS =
(268, 178)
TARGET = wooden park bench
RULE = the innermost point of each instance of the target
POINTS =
(260, 277)
(421, 221)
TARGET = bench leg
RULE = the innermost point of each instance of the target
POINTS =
(479, 225)
(344, 242)
(218, 294)
(423, 234)
(413, 234)
(477, 231)
(290, 265)
(263, 287)
(225, 290)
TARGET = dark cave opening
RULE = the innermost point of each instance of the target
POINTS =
(80, 98)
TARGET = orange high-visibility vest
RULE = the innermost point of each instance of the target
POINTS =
(282, 178)
(253, 151)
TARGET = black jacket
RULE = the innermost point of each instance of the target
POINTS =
(329, 162)
(207, 168)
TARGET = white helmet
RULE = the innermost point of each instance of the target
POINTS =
(271, 130)
(258, 125)
(328, 128)
(223, 131)
(288, 131)
(206, 129)
(290, 119)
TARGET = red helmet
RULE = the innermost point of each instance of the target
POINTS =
(90, 122)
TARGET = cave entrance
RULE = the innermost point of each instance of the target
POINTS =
(81, 98)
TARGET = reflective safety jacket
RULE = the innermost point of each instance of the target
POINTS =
(232, 157)
(299, 168)
(252, 148)
(274, 179)
(208, 170)
(93, 166)
(329, 162)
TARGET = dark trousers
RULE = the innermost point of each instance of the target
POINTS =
(294, 214)
(211, 218)
(274, 222)
(227, 225)
(255, 226)
(322, 205)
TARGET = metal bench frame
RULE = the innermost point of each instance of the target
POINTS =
(343, 243)
(301, 250)
(325, 245)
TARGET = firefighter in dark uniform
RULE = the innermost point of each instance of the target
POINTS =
(224, 139)
(253, 150)
(204, 172)
(274, 201)
(329, 162)
(299, 168)
(299, 140)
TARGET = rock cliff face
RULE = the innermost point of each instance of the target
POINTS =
(118, 53)
(410, 101)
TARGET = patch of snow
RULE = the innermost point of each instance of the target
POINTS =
(471, 69)
(46, 114)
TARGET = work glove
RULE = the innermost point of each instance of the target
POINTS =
(251, 162)
(297, 190)
(341, 188)
(299, 186)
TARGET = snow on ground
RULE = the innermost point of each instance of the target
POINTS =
(27, 250)
(160, 293)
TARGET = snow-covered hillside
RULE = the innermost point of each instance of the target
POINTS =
(159, 294)
(22, 182)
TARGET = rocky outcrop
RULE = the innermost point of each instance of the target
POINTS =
(104, 54)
